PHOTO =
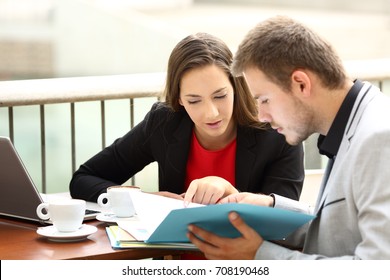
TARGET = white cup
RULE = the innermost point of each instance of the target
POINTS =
(67, 215)
(118, 199)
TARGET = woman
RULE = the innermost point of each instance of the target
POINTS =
(207, 128)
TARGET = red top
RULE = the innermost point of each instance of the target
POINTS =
(202, 162)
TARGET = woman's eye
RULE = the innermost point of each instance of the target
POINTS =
(193, 101)
(221, 96)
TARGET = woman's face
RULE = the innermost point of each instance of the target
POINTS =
(207, 95)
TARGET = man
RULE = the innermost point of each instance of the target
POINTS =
(302, 88)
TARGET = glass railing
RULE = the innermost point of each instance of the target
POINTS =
(56, 124)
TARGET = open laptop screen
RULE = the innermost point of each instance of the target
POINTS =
(19, 196)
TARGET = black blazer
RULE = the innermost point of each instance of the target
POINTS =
(265, 163)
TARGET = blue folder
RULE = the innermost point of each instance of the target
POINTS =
(270, 223)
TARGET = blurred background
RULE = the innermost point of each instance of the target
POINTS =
(72, 38)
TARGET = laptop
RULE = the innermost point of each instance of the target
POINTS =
(19, 196)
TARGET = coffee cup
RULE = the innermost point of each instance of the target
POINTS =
(118, 199)
(67, 215)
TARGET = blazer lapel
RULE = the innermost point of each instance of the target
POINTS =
(245, 158)
(365, 96)
(177, 154)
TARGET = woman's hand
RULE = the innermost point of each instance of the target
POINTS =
(249, 198)
(208, 190)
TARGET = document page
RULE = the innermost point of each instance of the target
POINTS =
(151, 210)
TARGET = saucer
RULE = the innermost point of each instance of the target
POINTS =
(112, 218)
(54, 235)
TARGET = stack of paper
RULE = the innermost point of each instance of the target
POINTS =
(120, 239)
(151, 211)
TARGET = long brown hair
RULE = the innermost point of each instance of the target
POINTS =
(200, 50)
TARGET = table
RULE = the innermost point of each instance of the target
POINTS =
(19, 241)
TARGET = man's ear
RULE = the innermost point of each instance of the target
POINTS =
(301, 83)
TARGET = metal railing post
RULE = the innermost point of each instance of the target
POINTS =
(73, 136)
(11, 123)
(103, 122)
(43, 147)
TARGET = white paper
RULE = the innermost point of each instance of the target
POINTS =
(151, 210)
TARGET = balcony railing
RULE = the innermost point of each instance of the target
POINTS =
(71, 91)
(43, 92)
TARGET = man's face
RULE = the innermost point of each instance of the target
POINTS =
(284, 111)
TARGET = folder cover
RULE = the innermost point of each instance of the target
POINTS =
(270, 223)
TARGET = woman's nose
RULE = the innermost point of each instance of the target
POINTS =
(211, 110)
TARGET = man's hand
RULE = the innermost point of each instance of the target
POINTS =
(215, 247)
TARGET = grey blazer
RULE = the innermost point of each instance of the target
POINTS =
(353, 211)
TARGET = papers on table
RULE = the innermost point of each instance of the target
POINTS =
(120, 239)
(151, 211)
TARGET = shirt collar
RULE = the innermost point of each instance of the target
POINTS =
(329, 145)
